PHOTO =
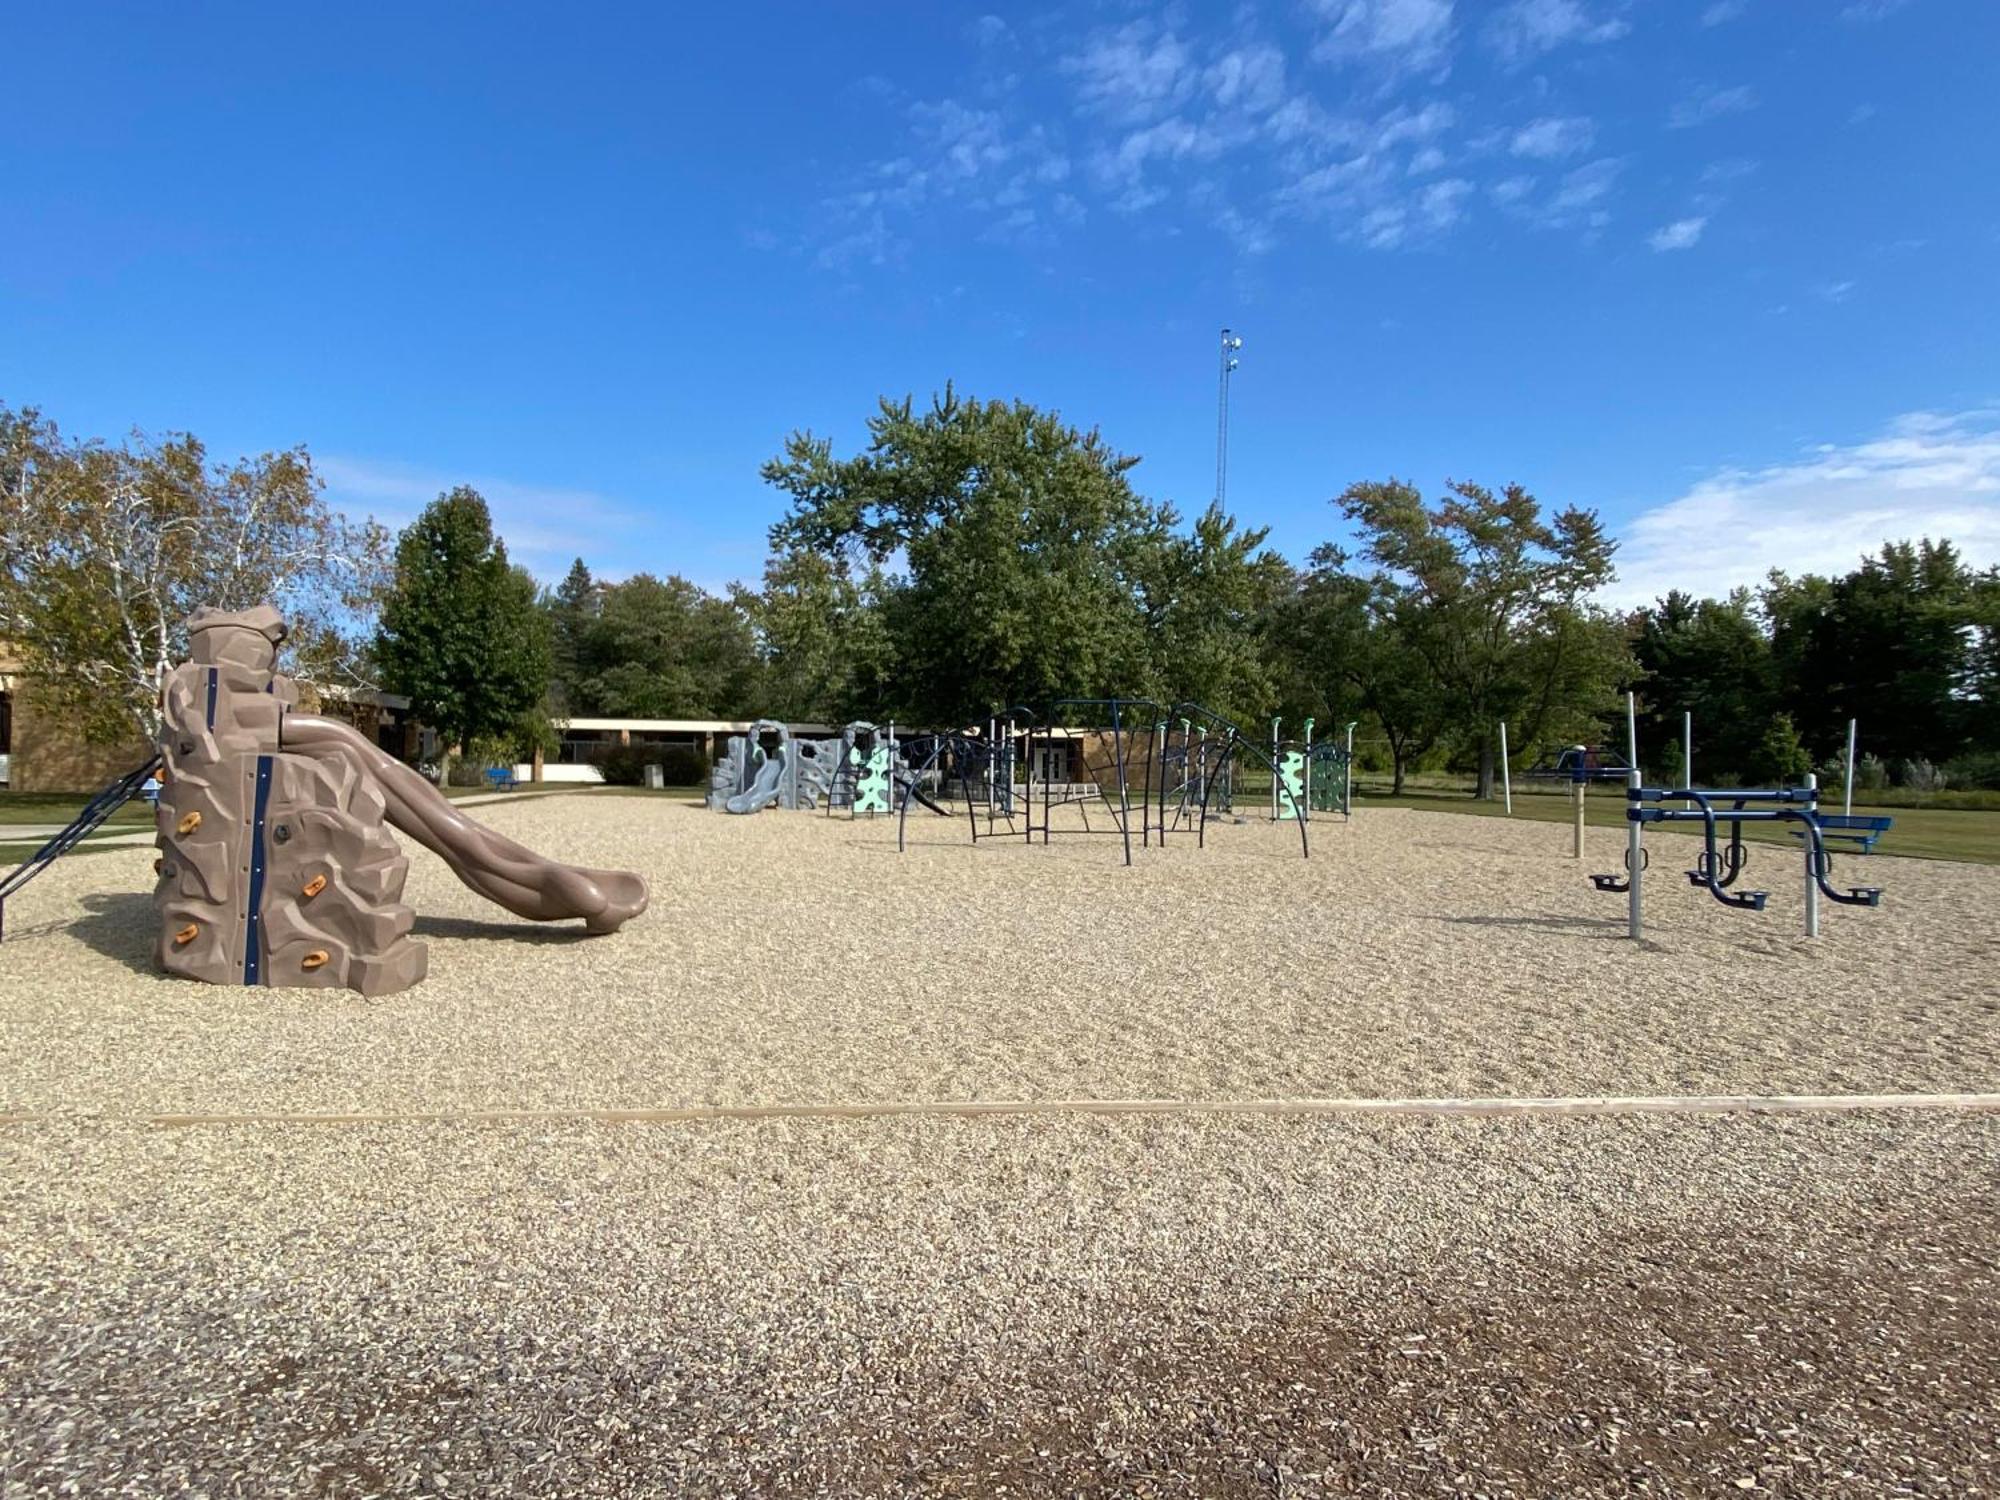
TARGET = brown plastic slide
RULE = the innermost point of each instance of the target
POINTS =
(495, 866)
(276, 863)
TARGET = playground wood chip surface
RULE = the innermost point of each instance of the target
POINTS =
(1188, 1304)
(793, 959)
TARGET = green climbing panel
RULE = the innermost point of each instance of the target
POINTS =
(1292, 779)
(1328, 790)
(871, 787)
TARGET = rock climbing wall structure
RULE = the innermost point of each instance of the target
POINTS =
(277, 865)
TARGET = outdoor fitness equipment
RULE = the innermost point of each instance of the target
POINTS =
(1718, 866)
(1163, 770)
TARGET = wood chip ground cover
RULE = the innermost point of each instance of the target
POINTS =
(1174, 1306)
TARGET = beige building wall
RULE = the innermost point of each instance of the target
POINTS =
(46, 750)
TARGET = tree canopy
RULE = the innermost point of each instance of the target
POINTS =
(461, 634)
(105, 552)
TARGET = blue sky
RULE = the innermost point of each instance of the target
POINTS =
(1723, 269)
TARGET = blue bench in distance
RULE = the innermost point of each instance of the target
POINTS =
(502, 778)
(1850, 829)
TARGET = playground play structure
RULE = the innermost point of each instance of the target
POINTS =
(1718, 865)
(1319, 777)
(849, 774)
(1141, 767)
(276, 862)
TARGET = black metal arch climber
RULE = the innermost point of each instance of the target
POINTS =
(1171, 767)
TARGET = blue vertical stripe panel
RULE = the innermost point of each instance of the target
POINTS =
(253, 922)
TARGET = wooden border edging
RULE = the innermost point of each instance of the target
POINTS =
(1478, 1108)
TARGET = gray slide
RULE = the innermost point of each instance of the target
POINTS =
(763, 790)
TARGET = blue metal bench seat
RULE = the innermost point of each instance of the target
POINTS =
(1848, 828)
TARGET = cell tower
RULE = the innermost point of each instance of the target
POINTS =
(1230, 344)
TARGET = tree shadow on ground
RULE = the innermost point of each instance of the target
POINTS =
(119, 924)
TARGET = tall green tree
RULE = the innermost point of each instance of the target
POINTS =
(1204, 596)
(462, 635)
(1496, 601)
(1338, 639)
(823, 637)
(1020, 541)
(666, 649)
(105, 552)
(572, 607)
(1894, 644)
(1710, 658)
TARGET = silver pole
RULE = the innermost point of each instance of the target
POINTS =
(1847, 802)
(1687, 748)
(1635, 854)
(1812, 868)
(1274, 768)
(1305, 813)
(1347, 790)
(1635, 857)
(1506, 780)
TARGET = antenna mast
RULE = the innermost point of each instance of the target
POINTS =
(1230, 344)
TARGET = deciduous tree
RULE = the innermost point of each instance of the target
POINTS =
(105, 552)
(461, 634)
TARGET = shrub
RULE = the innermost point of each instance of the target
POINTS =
(1920, 775)
(1872, 773)
(624, 765)
(1781, 759)
(684, 766)
(1978, 771)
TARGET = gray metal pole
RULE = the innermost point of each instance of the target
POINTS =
(1635, 854)
(1305, 812)
(1347, 791)
(1506, 780)
(1847, 802)
(1687, 749)
(1812, 870)
(1635, 858)
(1274, 768)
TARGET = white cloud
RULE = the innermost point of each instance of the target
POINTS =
(1552, 137)
(1587, 184)
(1930, 474)
(1722, 12)
(1413, 34)
(1871, 10)
(1682, 234)
(1134, 74)
(544, 526)
(1835, 291)
(1251, 78)
(1524, 30)
(1710, 103)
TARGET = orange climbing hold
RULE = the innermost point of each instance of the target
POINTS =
(313, 887)
(186, 935)
(189, 823)
(313, 959)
